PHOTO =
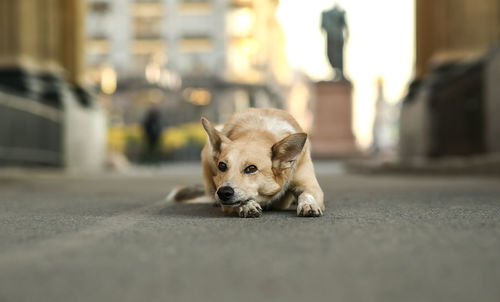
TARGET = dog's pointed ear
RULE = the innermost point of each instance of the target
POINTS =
(287, 149)
(215, 137)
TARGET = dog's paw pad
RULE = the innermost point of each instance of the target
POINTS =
(250, 209)
(309, 210)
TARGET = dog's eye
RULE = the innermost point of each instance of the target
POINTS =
(250, 169)
(222, 166)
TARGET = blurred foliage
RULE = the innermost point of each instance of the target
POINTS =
(178, 137)
(180, 142)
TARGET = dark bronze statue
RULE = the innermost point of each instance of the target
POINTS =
(333, 21)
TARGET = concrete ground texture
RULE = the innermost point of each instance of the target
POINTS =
(112, 237)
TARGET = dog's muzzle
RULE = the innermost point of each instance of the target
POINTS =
(226, 195)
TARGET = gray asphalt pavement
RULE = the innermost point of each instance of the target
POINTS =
(113, 238)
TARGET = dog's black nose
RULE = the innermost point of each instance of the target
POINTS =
(225, 193)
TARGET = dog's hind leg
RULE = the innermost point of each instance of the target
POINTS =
(191, 194)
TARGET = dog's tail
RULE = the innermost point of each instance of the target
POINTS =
(194, 194)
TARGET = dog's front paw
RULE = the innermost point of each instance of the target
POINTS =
(250, 209)
(308, 207)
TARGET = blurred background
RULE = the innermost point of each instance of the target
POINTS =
(100, 106)
(95, 84)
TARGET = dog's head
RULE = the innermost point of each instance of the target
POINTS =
(251, 166)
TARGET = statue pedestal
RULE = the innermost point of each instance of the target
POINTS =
(332, 128)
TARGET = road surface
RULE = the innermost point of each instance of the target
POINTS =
(112, 237)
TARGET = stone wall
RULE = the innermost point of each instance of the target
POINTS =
(450, 29)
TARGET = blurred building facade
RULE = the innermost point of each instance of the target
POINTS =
(46, 114)
(453, 105)
(210, 57)
(454, 30)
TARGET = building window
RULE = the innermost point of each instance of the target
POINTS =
(101, 7)
(241, 3)
(147, 9)
(196, 7)
(148, 28)
(97, 19)
(148, 46)
(95, 47)
(196, 44)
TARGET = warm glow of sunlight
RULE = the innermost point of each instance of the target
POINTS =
(381, 43)
(108, 80)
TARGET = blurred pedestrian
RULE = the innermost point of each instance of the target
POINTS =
(153, 127)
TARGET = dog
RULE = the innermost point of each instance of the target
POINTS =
(258, 160)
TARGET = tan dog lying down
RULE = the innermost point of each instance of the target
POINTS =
(259, 159)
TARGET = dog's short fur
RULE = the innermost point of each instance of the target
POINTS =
(260, 159)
